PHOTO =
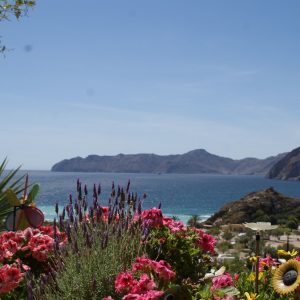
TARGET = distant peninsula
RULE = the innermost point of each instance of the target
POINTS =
(193, 162)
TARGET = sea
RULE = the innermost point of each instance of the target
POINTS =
(181, 195)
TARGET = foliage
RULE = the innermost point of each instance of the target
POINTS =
(16, 8)
(7, 181)
(103, 241)
(121, 252)
(194, 221)
(186, 249)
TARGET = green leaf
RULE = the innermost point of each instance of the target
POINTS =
(12, 198)
(33, 193)
(228, 290)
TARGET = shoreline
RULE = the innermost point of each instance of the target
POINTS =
(49, 213)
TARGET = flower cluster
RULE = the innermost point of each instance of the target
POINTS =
(17, 249)
(266, 263)
(152, 217)
(174, 226)
(221, 281)
(10, 278)
(142, 281)
(206, 241)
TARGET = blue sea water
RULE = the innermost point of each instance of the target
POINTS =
(180, 194)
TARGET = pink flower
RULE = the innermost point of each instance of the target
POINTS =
(143, 264)
(161, 268)
(206, 241)
(144, 285)
(107, 298)
(150, 295)
(164, 270)
(40, 246)
(152, 217)
(221, 281)
(132, 297)
(174, 226)
(124, 282)
(267, 262)
(10, 278)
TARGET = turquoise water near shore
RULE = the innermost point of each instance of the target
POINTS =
(180, 194)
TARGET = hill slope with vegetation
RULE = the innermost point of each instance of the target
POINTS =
(263, 206)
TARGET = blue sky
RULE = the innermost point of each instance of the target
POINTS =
(109, 77)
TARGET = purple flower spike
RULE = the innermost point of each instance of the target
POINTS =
(128, 186)
(56, 208)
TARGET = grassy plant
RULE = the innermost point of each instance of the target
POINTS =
(101, 245)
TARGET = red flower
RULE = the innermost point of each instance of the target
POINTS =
(152, 217)
(221, 281)
(40, 246)
(206, 241)
(144, 285)
(164, 270)
(124, 282)
(10, 278)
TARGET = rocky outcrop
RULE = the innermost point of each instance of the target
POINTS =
(288, 168)
(263, 206)
(196, 161)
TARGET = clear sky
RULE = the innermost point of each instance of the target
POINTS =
(123, 76)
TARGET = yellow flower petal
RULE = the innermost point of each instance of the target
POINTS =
(253, 259)
(251, 277)
(287, 253)
(251, 296)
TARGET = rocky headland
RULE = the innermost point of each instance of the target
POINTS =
(262, 206)
(287, 168)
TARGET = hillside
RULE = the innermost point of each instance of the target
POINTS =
(266, 205)
(196, 161)
(288, 168)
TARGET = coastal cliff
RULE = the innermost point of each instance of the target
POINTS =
(263, 206)
(288, 168)
(197, 161)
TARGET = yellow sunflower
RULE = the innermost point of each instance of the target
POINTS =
(287, 277)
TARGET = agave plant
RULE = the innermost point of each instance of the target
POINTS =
(8, 181)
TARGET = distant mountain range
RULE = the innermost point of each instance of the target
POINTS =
(193, 162)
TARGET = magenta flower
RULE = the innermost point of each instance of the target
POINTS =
(221, 281)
